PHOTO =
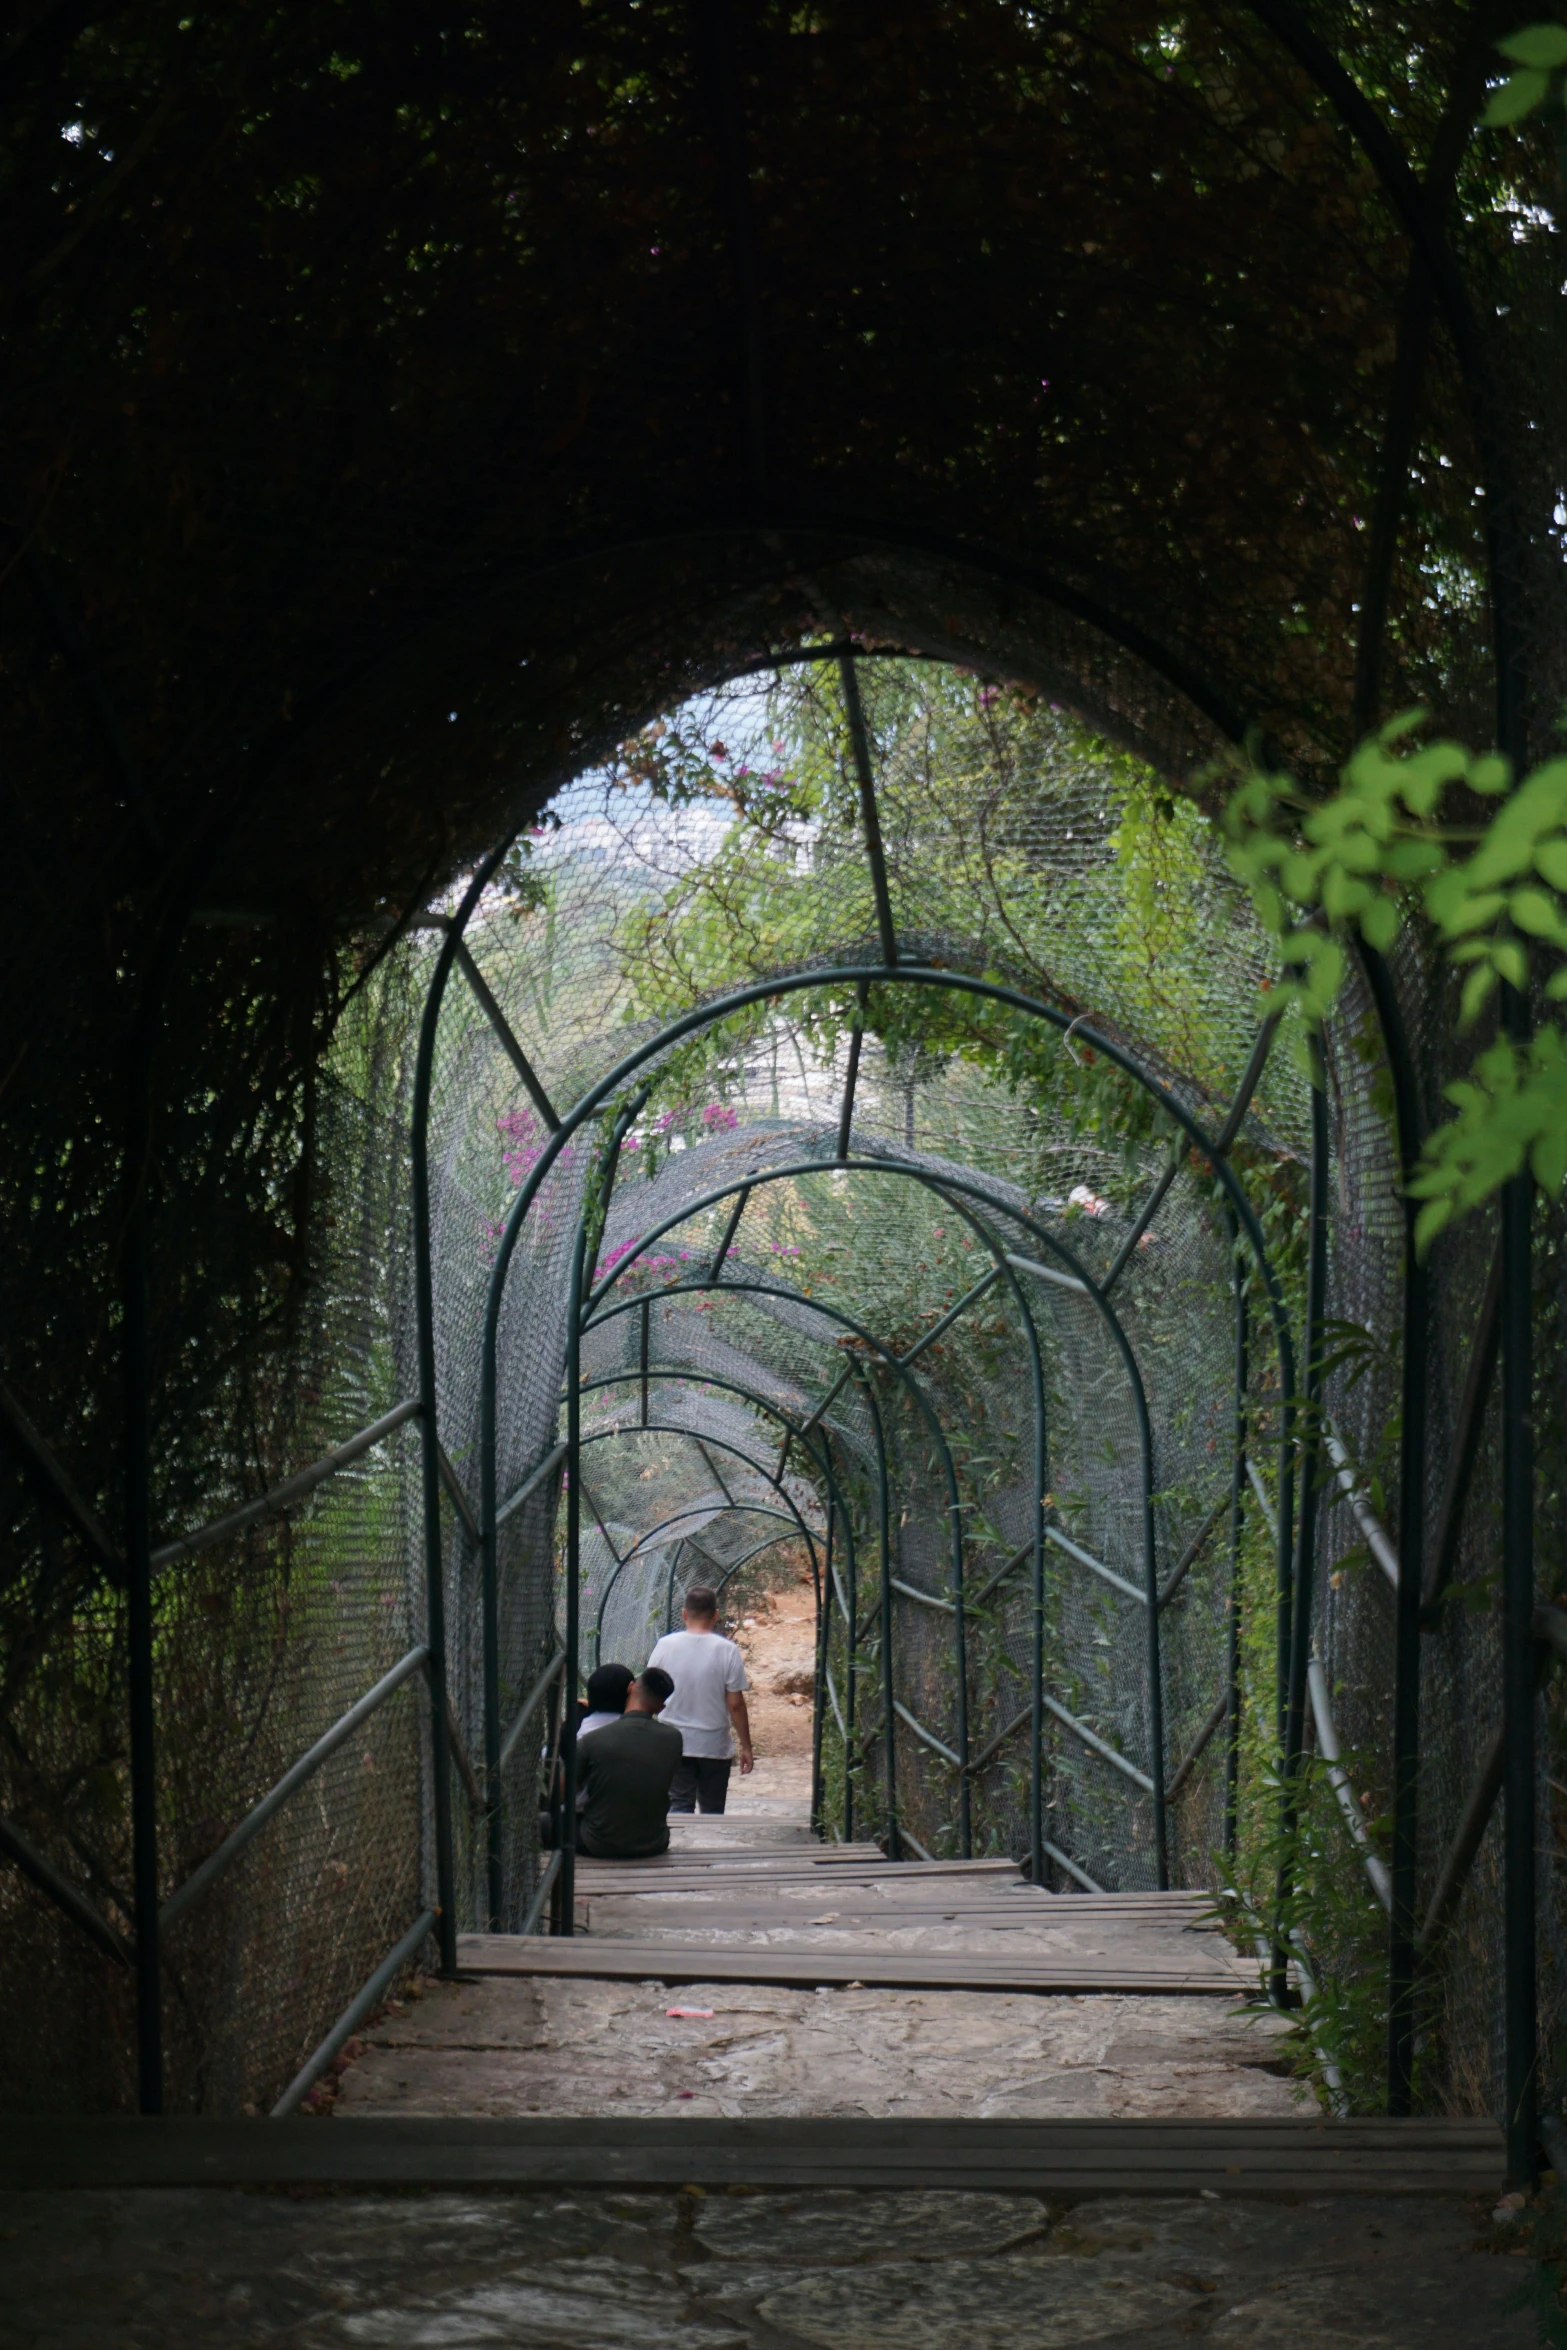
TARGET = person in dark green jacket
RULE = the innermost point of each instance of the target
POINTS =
(625, 1773)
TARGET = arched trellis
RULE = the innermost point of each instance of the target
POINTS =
(922, 1405)
(561, 1131)
(959, 1194)
(1326, 69)
(1436, 278)
(1387, 1012)
(702, 1438)
(796, 1431)
(861, 977)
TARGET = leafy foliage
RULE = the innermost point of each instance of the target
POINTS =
(1387, 847)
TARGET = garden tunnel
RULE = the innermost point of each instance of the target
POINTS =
(905, 1166)
(1034, 1431)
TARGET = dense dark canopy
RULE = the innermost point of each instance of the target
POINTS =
(368, 365)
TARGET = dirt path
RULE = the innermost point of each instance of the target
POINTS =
(777, 1637)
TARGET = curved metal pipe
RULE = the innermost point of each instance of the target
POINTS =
(424, 1309)
(953, 1190)
(791, 1513)
(1008, 998)
(802, 1436)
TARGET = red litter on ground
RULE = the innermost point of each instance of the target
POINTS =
(694, 2011)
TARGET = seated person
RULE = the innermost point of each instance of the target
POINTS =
(607, 1687)
(624, 1772)
(605, 1703)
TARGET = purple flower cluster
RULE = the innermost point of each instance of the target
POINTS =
(521, 1144)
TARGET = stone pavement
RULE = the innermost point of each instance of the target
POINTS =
(680, 2270)
(509, 2046)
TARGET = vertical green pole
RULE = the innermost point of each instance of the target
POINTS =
(572, 1670)
(429, 1431)
(1518, 1678)
(823, 1635)
(851, 1635)
(1295, 1624)
(138, 1561)
(888, 1679)
(1238, 1482)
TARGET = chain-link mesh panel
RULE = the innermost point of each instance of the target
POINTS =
(787, 1255)
(263, 1641)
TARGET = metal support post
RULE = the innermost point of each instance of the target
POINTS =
(138, 1564)
(1238, 1483)
(1295, 1602)
(571, 1676)
(852, 1075)
(870, 820)
(1414, 1383)
(823, 1632)
(888, 1691)
(1518, 1693)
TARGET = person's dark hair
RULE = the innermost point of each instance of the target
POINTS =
(702, 1600)
(607, 1686)
(657, 1683)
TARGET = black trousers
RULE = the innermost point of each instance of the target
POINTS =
(701, 1782)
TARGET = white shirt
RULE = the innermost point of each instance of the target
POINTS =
(596, 1722)
(705, 1668)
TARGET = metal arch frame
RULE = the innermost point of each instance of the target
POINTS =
(792, 1515)
(715, 1283)
(801, 1432)
(711, 1013)
(1325, 68)
(908, 974)
(646, 1543)
(952, 1190)
(1504, 553)
(679, 1373)
(862, 976)
(828, 1586)
(707, 1286)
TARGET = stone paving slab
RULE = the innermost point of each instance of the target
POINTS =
(543, 2045)
(680, 2270)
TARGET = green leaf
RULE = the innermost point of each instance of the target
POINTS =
(1342, 895)
(1550, 862)
(1531, 910)
(1536, 44)
(1491, 774)
(1450, 903)
(1425, 775)
(1298, 876)
(1548, 1161)
(1477, 987)
(1517, 97)
(1556, 986)
(1512, 961)
(1411, 860)
(1360, 852)
(1433, 1216)
(1379, 924)
(1327, 972)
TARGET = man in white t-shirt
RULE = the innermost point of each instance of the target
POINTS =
(709, 1676)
